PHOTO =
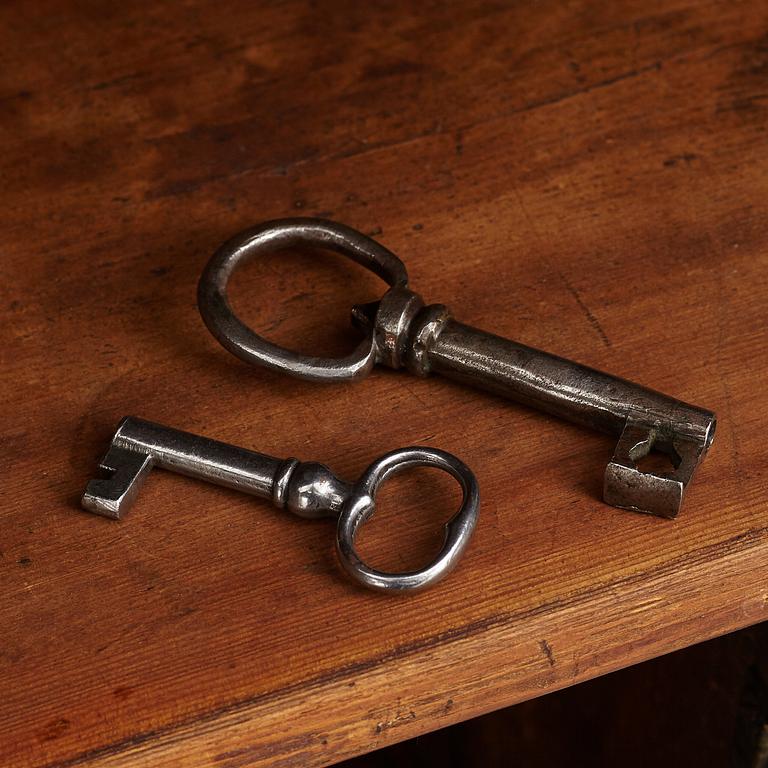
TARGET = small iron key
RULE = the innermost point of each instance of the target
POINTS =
(402, 332)
(309, 490)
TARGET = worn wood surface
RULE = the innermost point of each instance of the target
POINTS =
(717, 690)
(587, 178)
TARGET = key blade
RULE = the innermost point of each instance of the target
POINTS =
(113, 495)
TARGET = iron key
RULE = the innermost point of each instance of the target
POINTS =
(309, 490)
(402, 332)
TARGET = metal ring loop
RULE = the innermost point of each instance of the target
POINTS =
(362, 502)
(271, 236)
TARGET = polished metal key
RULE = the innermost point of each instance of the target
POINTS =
(402, 332)
(307, 489)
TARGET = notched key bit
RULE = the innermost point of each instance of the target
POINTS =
(123, 473)
(658, 493)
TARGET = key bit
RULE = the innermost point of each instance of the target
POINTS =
(124, 472)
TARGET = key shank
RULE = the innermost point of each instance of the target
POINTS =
(307, 489)
(427, 340)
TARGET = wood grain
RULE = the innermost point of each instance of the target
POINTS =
(587, 178)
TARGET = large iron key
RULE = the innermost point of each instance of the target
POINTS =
(402, 332)
(309, 490)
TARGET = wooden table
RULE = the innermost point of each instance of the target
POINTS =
(591, 179)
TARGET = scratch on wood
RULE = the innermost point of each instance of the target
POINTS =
(398, 719)
(240, 757)
(117, 81)
(655, 67)
(593, 321)
(433, 132)
(546, 649)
